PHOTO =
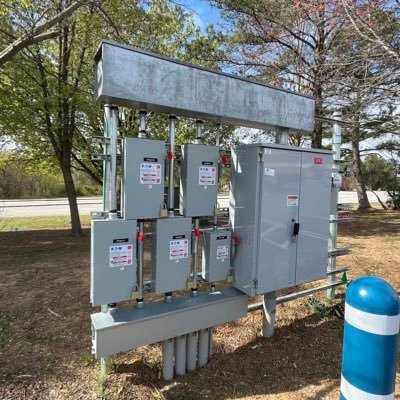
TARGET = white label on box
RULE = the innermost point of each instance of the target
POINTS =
(150, 173)
(178, 249)
(267, 151)
(269, 172)
(222, 252)
(207, 176)
(121, 255)
(292, 200)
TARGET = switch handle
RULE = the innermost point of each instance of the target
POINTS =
(296, 228)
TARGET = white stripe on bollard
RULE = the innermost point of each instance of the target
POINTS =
(350, 392)
(372, 323)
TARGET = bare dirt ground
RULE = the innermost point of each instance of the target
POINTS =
(45, 329)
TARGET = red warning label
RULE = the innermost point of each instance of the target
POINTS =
(317, 160)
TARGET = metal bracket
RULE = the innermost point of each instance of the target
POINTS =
(344, 207)
(340, 220)
(100, 140)
(339, 252)
(100, 157)
(337, 271)
(99, 214)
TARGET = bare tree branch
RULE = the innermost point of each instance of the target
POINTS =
(39, 33)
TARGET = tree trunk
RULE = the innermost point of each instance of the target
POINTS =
(317, 134)
(363, 202)
(73, 203)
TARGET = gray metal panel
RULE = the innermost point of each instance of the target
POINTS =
(276, 260)
(130, 77)
(198, 180)
(171, 261)
(132, 328)
(141, 199)
(285, 147)
(216, 257)
(243, 214)
(315, 197)
(112, 282)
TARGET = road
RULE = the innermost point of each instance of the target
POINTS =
(31, 208)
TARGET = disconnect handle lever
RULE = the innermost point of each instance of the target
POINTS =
(296, 228)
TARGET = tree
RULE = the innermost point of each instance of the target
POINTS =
(288, 44)
(47, 89)
(381, 174)
(34, 22)
(377, 22)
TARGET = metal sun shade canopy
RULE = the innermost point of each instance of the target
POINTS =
(126, 76)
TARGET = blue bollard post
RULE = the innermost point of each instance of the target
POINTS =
(372, 318)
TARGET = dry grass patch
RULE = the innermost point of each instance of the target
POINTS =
(45, 329)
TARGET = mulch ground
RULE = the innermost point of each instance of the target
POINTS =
(45, 349)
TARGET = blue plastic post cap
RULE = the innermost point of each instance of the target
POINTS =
(373, 295)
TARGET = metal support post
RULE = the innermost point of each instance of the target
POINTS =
(109, 191)
(111, 124)
(282, 136)
(171, 157)
(191, 353)
(210, 330)
(269, 307)
(196, 221)
(142, 125)
(332, 243)
(139, 301)
(203, 347)
(168, 359)
(180, 355)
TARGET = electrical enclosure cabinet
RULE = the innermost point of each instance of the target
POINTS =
(143, 178)
(216, 256)
(199, 180)
(279, 206)
(171, 253)
(113, 260)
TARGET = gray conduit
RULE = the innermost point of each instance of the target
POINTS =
(191, 354)
(168, 359)
(180, 355)
(203, 347)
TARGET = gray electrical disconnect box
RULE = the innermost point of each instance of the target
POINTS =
(216, 257)
(143, 178)
(199, 180)
(279, 207)
(171, 253)
(113, 260)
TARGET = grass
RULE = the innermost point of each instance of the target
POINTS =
(380, 216)
(43, 222)
(45, 328)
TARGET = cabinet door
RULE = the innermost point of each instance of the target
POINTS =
(315, 195)
(280, 177)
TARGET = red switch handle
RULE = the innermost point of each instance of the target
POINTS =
(236, 239)
(170, 155)
(141, 236)
(225, 159)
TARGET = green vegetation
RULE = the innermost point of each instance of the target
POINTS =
(33, 223)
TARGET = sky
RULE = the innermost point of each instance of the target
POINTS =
(203, 13)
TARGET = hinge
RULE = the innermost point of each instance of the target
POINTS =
(255, 283)
(260, 157)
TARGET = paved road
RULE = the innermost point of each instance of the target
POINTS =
(29, 208)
